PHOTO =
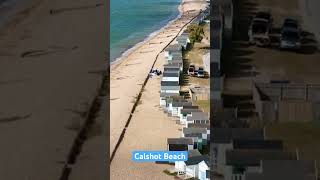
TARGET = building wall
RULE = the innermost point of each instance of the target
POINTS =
(170, 79)
(295, 112)
(297, 109)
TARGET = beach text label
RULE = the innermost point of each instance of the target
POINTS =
(153, 156)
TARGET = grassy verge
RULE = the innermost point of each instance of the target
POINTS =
(204, 105)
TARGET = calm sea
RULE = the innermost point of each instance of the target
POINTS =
(132, 21)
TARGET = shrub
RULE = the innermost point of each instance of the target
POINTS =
(195, 33)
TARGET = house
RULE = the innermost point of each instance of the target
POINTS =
(180, 144)
(171, 76)
(222, 140)
(183, 40)
(206, 126)
(170, 49)
(171, 69)
(164, 97)
(197, 118)
(197, 167)
(170, 87)
(238, 162)
(201, 135)
(176, 107)
(170, 100)
(171, 66)
(284, 169)
(199, 93)
(180, 166)
(175, 63)
(177, 56)
(186, 111)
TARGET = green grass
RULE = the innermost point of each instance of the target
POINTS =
(302, 136)
(203, 104)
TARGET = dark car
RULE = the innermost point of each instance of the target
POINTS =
(290, 35)
(201, 72)
(191, 70)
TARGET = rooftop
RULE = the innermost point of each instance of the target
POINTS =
(226, 135)
(181, 103)
(198, 116)
(188, 111)
(194, 130)
(173, 47)
(179, 141)
(253, 157)
(169, 94)
(174, 69)
(171, 74)
(257, 144)
(207, 126)
(197, 159)
(169, 83)
(193, 152)
(285, 169)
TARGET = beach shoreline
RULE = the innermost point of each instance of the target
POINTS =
(148, 37)
(143, 124)
(129, 76)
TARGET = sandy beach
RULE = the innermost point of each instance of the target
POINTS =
(128, 76)
(50, 58)
(149, 127)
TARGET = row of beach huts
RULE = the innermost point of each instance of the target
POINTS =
(196, 125)
(244, 153)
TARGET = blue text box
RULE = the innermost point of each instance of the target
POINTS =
(152, 156)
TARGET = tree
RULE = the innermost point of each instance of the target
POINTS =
(195, 33)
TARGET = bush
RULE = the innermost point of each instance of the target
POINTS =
(195, 33)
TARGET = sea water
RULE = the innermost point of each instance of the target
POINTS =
(132, 21)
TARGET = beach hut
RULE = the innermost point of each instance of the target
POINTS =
(176, 107)
(180, 144)
(180, 166)
(171, 49)
(171, 76)
(195, 167)
(172, 66)
(184, 40)
(199, 133)
(175, 63)
(165, 96)
(197, 118)
(170, 87)
(186, 111)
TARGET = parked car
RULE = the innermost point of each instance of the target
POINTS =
(191, 70)
(259, 29)
(200, 72)
(290, 35)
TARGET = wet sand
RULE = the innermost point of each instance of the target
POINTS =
(46, 84)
